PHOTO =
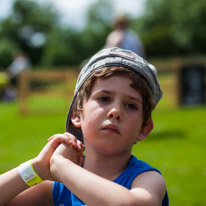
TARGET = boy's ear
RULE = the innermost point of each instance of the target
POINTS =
(76, 120)
(145, 130)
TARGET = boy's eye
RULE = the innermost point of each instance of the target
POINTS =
(131, 106)
(104, 99)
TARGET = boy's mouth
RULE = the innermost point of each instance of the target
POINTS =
(111, 128)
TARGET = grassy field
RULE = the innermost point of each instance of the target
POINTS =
(176, 146)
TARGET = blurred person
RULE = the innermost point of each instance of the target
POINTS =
(124, 38)
(20, 63)
(105, 120)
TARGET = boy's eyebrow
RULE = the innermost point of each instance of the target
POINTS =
(134, 99)
(128, 96)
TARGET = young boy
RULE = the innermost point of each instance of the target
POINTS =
(111, 110)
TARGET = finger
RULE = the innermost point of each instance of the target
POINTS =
(81, 146)
(55, 136)
(52, 137)
(67, 138)
(81, 159)
(76, 143)
(57, 139)
(70, 136)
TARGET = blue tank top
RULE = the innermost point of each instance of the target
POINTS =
(64, 197)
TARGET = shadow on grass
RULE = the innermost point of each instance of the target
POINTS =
(173, 134)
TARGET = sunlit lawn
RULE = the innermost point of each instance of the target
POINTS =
(176, 146)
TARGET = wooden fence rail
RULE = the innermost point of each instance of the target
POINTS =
(41, 77)
(172, 65)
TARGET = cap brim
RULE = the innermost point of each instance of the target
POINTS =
(70, 127)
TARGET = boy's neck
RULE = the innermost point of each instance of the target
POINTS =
(107, 166)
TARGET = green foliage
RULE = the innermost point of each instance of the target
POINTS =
(156, 43)
(7, 50)
(28, 26)
(98, 26)
(66, 46)
(168, 27)
(58, 49)
(172, 27)
(36, 29)
(188, 26)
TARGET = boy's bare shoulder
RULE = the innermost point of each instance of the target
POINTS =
(150, 183)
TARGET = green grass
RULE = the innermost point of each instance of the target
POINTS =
(22, 137)
(176, 146)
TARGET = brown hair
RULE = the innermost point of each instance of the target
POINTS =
(121, 22)
(138, 83)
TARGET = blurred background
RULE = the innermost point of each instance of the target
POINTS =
(52, 39)
(58, 33)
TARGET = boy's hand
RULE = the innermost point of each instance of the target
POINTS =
(41, 163)
(69, 152)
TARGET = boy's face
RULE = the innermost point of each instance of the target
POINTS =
(112, 117)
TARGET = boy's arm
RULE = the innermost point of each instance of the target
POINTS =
(150, 186)
(40, 194)
(14, 191)
(147, 189)
(12, 187)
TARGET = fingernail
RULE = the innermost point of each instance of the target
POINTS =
(50, 138)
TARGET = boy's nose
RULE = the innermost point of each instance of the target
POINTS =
(115, 113)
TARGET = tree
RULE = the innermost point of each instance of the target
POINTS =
(67, 46)
(99, 19)
(7, 51)
(29, 25)
(188, 28)
(172, 27)
(63, 48)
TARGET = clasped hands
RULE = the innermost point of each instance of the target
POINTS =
(59, 147)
